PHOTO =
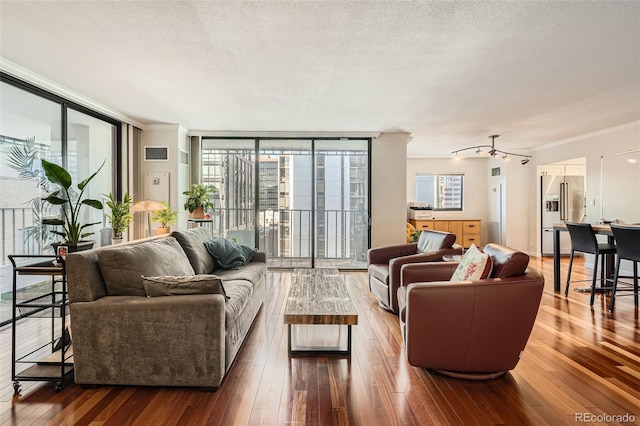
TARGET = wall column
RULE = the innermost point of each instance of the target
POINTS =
(389, 188)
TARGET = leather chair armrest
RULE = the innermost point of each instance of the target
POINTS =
(385, 254)
(426, 272)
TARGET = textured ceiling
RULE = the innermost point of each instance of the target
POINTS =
(450, 73)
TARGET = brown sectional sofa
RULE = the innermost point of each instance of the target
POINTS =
(122, 337)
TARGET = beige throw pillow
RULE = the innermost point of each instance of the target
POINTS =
(474, 265)
(175, 286)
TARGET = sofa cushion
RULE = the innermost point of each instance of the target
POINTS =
(238, 293)
(229, 255)
(474, 265)
(252, 272)
(175, 286)
(192, 242)
(435, 240)
(122, 267)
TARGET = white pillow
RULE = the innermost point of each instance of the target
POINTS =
(474, 265)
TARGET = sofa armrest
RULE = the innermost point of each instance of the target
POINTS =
(426, 272)
(385, 254)
(118, 340)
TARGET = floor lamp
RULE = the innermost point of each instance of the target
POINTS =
(147, 206)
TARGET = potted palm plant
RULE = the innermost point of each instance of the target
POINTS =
(199, 199)
(166, 217)
(71, 203)
(120, 217)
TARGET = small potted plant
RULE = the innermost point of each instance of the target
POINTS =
(70, 202)
(199, 199)
(120, 217)
(165, 217)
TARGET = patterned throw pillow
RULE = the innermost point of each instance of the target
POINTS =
(175, 286)
(474, 265)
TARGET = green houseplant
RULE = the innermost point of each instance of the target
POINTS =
(24, 158)
(199, 199)
(70, 202)
(120, 217)
(166, 217)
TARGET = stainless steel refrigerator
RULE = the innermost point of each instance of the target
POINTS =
(563, 200)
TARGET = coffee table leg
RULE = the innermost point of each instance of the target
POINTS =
(289, 338)
(349, 339)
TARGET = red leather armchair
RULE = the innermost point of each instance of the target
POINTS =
(470, 329)
(384, 263)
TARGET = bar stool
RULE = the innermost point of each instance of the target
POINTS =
(628, 245)
(583, 240)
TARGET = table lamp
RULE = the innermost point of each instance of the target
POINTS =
(147, 206)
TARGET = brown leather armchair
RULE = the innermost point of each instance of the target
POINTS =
(384, 263)
(469, 329)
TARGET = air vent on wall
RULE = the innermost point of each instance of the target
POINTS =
(156, 153)
(184, 157)
(495, 171)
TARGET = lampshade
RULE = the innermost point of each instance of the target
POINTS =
(147, 206)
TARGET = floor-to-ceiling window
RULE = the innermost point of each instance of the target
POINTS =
(312, 198)
(36, 125)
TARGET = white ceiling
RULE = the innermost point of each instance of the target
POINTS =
(450, 73)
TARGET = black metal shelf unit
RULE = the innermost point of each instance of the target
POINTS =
(53, 360)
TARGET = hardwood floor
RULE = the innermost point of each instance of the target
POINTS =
(578, 360)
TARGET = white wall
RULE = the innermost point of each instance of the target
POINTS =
(388, 189)
(476, 184)
(174, 137)
(520, 203)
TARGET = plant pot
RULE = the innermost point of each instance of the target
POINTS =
(163, 230)
(198, 213)
(116, 240)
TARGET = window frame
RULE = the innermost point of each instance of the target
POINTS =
(436, 176)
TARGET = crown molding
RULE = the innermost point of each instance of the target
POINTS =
(37, 80)
(284, 135)
(594, 134)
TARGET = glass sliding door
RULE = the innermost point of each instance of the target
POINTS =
(229, 165)
(37, 125)
(285, 204)
(311, 206)
(90, 144)
(30, 130)
(342, 203)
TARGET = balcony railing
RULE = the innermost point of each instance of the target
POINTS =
(283, 234)
(15, 224)
(341, 236)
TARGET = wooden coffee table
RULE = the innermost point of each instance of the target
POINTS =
(320, 297)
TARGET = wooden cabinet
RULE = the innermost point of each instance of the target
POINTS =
(421, 225)
(467, 231)
(471, 233)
